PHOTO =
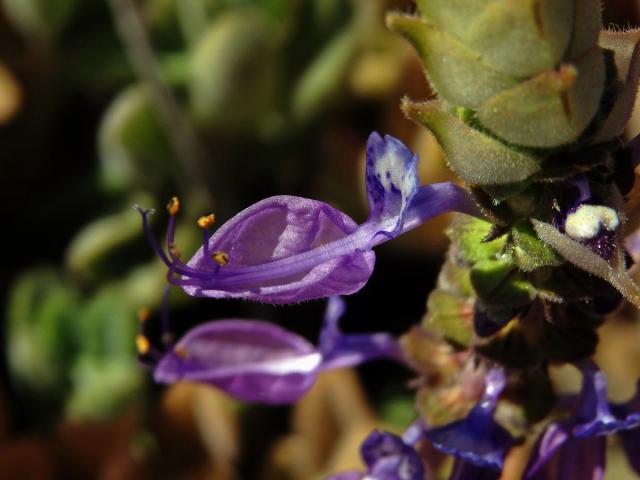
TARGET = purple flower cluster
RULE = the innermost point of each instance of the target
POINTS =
(287, 249)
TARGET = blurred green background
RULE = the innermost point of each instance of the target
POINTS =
(107, 104)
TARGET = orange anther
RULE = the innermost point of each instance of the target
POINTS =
(143, 345)
(173, 207)
(206, 220)
(220, 258)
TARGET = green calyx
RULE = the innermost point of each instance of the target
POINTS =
(531, 77)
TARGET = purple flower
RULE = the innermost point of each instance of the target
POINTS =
(389, 457)
(257, 361)
(575, 448)
(477, 440)
(288, 249)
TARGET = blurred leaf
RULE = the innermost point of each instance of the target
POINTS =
(132, 145)
(101, 244)
(233, 71)
(325, 74)
(107, 325)
(39, 17)
(39, 334)
(103, 387)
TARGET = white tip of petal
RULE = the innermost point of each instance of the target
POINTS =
(585, 223)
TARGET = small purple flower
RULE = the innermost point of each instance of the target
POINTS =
(575, 448)
(389, 457)
(257, 361)
(289, 249)
(478, 439)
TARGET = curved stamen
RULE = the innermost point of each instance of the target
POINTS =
(204, 223)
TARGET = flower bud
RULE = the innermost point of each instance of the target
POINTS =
(552, 108)
(453, 69)
(517, 38)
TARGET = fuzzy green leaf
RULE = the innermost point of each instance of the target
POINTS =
(551, 109)
(468, 234)
(477, 158)
(456, 72)
(529, 252)
(518, 37)
(499, 283)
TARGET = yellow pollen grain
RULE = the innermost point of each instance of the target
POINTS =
(220, 257)
(206, 221)
(143, 314)
(173, 207)
(180, 352)
(143, 345)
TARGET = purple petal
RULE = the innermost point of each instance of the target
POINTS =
(389, 458)
(392, 181)
(251, 360)
(551, 440)
(477, 439)
(594, 415)
(339, 350)
(260, 240)
(575, 459)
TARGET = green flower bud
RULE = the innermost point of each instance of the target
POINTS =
(453, 69)
(499, 283)
(529, 252)
(477, 158)
(451, 316)
(469, 234)
(552, 108)
(518, 37)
